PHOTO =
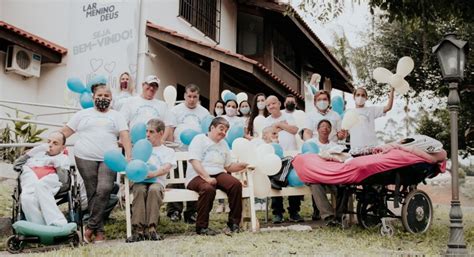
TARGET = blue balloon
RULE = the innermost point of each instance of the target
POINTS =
(234, 133)
(278, 149)
(205, 123)
(338, 104)
(151, 168)
(75, 85)
(314, 89)
(142, 150)
(138, 132)
(309, 147)
(115, 160)
(97, 79)
(137, 170)
(229, 96)
(86, 100)
(294, 180)
(187, 136)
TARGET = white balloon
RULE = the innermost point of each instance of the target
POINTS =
(240, 146)
(242, 97)
(405, 65)
(300, 118)
(259, 124)
(169, 94)
(396, 81)
(223, 94)
(262, 186)
(351, 118)
(256, 141)
(382, 75)
(269, 164)
(264, 149)
(403, 88)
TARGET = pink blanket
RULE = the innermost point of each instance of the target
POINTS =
(312, 169)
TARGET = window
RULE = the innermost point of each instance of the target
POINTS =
(284, 51)
(249, 35)
(205, 15)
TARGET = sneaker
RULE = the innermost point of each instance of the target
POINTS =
(234, 228)
(99, 237)
(175, 216)
(277, 219)
(136, 237)
(154, 236)
(220, 208)
(205, 232)
(191, 219)
(296, 218)
(88, 233)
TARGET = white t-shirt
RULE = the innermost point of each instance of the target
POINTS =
(286, 139)
(120, 99)
(234, 120)
(213, 156)
(98, 132)
(315, 117)
(363, 133)
(186, 118)
(160, 156)
(324, 147)
(138, 109)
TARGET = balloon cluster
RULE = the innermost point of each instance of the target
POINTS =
(85, 98)
(227, 95)
(404, 66)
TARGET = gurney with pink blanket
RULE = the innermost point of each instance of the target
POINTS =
(376, 180)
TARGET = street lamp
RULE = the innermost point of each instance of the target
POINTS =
(452, 55)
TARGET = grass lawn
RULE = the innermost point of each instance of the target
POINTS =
(180, 239)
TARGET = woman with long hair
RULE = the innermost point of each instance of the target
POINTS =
(258, 109)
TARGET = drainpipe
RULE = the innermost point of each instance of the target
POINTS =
(142, 45)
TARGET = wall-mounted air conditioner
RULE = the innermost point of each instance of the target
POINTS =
(22, 61)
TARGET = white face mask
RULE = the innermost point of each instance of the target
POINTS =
(219, 111)
(230, 111)
(360, 100)
(322, 105)
(261, 105)
(245, 110)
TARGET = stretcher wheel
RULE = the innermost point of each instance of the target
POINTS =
(417, 212)
(367, 214)
(75, 239)
(15, 245)
(387, 231)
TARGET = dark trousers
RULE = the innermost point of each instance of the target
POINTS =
(207, 193)
(178, 206)
(99, 182)
(294, 203)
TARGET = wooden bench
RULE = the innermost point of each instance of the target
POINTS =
(183, 195)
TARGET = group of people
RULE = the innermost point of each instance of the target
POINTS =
(106, 127)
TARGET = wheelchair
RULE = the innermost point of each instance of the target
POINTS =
(26, 232)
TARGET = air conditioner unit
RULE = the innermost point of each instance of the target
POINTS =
(22, 61)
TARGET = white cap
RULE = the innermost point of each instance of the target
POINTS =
(152, 79)
(422, 142)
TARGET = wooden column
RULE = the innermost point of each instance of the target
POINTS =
(215, 84)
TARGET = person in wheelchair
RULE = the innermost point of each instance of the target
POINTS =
(41, 171)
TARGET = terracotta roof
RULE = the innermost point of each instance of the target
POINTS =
(34, 38)
(227, 52)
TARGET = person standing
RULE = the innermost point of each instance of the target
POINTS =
(258, 109)
(126, 91)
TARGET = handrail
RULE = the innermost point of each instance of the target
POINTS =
(16, 109)
(41, 105)
(24, 145)
(54, 113)
(33, 121)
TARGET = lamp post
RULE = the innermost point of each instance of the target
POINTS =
(452, 55)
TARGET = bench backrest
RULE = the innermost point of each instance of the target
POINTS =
(181, 158)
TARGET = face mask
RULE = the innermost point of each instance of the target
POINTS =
(322, 105)
(102, 104)
(244, 110)
(261, 105)
(123, 85)
(360, 100)
(219, 111)
(230, 111)
(290, 106)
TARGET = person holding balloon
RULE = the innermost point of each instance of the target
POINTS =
(209, 165)
(126, 90)
(362, 135)
(258, 110)
(148, 195)
(323, 111)
(142, 108)
(285, 125)
(98, 131)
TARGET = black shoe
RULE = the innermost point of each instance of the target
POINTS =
(331, 221)
(296, 218)
(190, 219)
(154, 236)
(315, 217)
(205, 232)
(175, 216)
(277, 219)
(135, 238)
(234, 228)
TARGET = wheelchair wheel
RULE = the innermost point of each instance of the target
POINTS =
(75, 240)
(15, 245)
(367, 214)
(417, 212)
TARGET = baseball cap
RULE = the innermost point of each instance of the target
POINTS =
(152, 79)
